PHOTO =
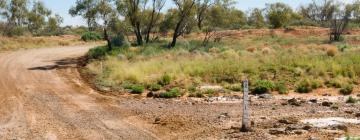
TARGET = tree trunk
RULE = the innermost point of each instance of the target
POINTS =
(107, 38)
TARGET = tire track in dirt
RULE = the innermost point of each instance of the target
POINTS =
(37, 103)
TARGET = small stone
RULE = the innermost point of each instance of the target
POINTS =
(150, 94)
(157, 120)
(349, 111)
(340, 127)
(357, 114)
(313, 101)
(263, 118)
(299, 132)
(307, 127)
(224, 115)
(277, 131)
(313, 138)
(326, 103)
(284, 103)
(265, 96)
(358, 95)
(289, 120)
(294, 102)
(326, 94)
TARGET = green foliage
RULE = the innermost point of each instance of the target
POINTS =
(304, 86)
(263, 86)
(14, 31)
(281, 88)
(97, 53)
(279, 14)
(164, 80)
(234, 87)
(155, 87)
(347, 89)
(91, 36)
(119, 40)
(173, 93)
(351, 100)
(137, 89)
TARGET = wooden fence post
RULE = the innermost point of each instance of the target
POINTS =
(245, 118)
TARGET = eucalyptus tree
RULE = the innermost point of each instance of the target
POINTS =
(36, 18)
(185, 10)
(88, 10)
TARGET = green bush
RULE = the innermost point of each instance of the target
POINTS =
(197, 95)
(304, 86)
(137, 89)
(173, 93)
(347, 90)
(234, 87)
(90, 36)
(97, 53)
(155, 87)
(281, 88)
(351, 100)
(119, 40)
(263, 86)
(165, 80)
(15, 31)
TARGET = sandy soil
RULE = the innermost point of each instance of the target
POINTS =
(42, 96)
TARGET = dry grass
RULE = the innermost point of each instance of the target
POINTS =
(24, 42)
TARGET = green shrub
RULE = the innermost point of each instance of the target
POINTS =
(263, 86)
(15, 31)
(304, 86)
(90, 36)
(334, 83)
(351, 100)
(234, 87)
(155, 87)
(347, 90)
(197, 95)
(173, 93)
(281, 88)
(315, 84)
(119, 40)
(165, 80)
(137, 89)
(97, 53)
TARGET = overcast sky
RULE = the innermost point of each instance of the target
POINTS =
(61, 7)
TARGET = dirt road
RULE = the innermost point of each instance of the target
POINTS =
(37, 103)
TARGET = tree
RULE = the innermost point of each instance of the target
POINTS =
(157, 5)
(86, 9)
(320, 11)
(133, 10)
(279, 14)
(53, 26)
(37, 17)
(256, 18)
(201, 11)
(340, 20)
(185, 9)
(106, 13)
(15, 12)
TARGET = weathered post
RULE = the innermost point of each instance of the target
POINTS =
(245, 118)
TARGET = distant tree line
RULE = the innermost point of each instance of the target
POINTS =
(21, 16)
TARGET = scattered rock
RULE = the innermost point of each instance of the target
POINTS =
(150, 94)
(349, 111)
(300, 132)
(326, 94)
(210, 87)
(307, 127)
(224, 115)
(263, 118)
(284, 103)
(326, 103)
(294, 102)
(265, 96)
(313, 138)
(357, 114)
(290, 120)
(157, 120)
(277, 131)
(313, 101)
(340, 127)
